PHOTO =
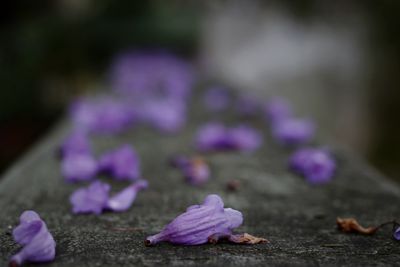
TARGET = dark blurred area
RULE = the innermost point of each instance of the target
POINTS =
(52, 51)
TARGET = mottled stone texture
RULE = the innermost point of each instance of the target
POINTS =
(298, 219)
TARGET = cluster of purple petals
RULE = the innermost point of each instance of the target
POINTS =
(287, 129)
(217, 99)
(216, 137)
(38, 244)
(199, 223)
(195, 170)
(95, 198)
(316, 165)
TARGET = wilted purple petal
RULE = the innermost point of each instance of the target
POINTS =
(293, 131)
(78, 167)
(124, 199)
(215, 136)
(92, 199)
(198, 223)
(316, 165)
(195, 170)
(277, 109)
(102, 115)
(396, 233)
(32, 233)
(76, 143)
(217, 99)
(122, 163)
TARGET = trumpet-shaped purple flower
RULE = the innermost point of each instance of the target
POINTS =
(293, 131)
(277, 109)
(78, 167)
(76, 143)
(215, 136)
(38, 244)
(122, 163)
(199, 223)
(316, 165)
(217, 99)
(195, 170)
(95, 198)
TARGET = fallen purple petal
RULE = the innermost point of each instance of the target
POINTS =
(122, 163)
(76, 143)
(38, 244)
(293, 131)
(123, 200)
(217, 99)
(198, 223)
(316, 165)
(92, 199)
(78, 167)
(277, 109)
(216, 137)
(195, 170)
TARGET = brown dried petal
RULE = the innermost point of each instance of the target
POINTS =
(350, 225)
(246, 239)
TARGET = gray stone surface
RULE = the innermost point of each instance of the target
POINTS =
(298, 219)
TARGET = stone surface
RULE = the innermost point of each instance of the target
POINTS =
(298, 219)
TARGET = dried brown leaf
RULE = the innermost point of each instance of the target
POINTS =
(246, 239)
(350, 225)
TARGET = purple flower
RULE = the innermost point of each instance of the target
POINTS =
(215, 136)
(92, 199)
(195, 170)
(38, 244)
(277, 109)
(293, 131)
(102, 115)
(199, 223)
(78, 167)
(217, 99)
(396, 233)
(124, 199)
(247, 105)
(95, 198)
(122, 163)
(76, 143)
(316, 165)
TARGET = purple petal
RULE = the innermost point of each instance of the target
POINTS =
(316, 165)
(212, 136)
(122, 163)
(124, 199)
(76, 143)
(277, 109)
(92, 199)
(245, 138)
(217, 99)
(396, 233)
(32, 233)
(293, 131)
(195, 170)
(79, 167)
(198, 223)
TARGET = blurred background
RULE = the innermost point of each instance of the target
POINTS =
(337, 62)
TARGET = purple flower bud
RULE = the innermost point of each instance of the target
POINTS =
(396, 233)
(316, 165)
(195, 170)
(199, 222)
(215, 136)
(217, 99)
(293, 131)
(122, 163)
(76, 143)
(78, 167)
(38, 244)
(95, 198)
(92, 199)
(277, 109)
(123, 200)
